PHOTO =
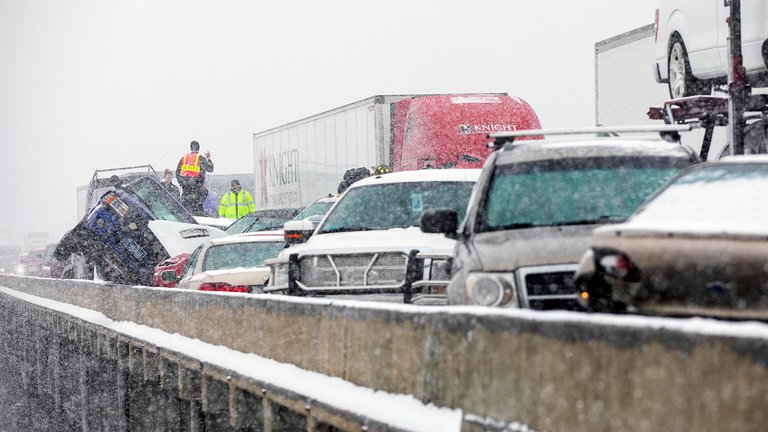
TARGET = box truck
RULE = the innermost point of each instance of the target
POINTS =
(299, 162)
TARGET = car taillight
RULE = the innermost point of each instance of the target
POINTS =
(656, 26)
(619, 266)
(223, 286)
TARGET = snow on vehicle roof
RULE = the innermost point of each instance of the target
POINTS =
(531, 150)
(758, 158)
(426, 175)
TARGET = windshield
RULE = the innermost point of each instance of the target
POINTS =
(563, 192)
(395, 205)
(316, 208)
(233, 255)
(253, 223)
(159, 201)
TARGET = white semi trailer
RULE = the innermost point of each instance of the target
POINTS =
(304, 160)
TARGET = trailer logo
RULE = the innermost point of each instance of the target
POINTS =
(471, 129)
(284, 168)
(279, 178)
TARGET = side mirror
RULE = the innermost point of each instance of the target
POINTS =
(298, 231)
(169, 276)
(444, 221)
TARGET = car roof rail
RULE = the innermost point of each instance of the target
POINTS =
(667, 132)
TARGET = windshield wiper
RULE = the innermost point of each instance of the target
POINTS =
(515, 225)
(345, 229)
(597, 220)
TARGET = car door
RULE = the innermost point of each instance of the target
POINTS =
(699, 24)
(754, 31)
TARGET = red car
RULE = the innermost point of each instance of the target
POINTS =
(175, 263)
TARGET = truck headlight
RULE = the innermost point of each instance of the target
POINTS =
(279, 275)
(488, 289)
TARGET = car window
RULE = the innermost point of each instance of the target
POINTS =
(572, 191)
(395, 205)
(159, 201)
(725, 197)
(314, 209)
(189, 268)
(233, 255)
(253, 223)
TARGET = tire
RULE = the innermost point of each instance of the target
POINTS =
(682, 83)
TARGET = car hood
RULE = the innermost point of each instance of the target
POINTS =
(512, 249)
(236, 276)
(181, 237)
(396, 239)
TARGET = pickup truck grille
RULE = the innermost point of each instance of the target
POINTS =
(550, 287)
(353, 271)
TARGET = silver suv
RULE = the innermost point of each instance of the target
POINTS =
(536, 203)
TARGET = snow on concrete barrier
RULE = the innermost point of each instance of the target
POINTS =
(496, 369)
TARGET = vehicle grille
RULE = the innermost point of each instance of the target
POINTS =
(368, 270)
(550, 287)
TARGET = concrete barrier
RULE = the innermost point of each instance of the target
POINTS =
(504, 369)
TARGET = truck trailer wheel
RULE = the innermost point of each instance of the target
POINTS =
(682, 83)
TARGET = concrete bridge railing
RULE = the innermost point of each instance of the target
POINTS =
(502, 369)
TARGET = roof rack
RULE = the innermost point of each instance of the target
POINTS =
(666, 131)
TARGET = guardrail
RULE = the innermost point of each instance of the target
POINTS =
(557, 371)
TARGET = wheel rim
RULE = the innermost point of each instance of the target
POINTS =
(677, 71)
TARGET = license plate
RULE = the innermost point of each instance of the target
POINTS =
(135, 250)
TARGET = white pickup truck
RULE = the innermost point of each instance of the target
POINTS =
(370, 241)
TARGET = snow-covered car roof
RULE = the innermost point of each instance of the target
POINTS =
(451, 174)
(756, 158)
(559, 147)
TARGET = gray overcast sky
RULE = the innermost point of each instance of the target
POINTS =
(88, 84)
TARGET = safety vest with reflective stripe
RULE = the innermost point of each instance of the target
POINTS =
(236, 206)
(190, 165)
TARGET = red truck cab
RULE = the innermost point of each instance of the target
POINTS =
(450, 131)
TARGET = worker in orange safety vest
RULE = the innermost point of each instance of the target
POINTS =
(190, 174)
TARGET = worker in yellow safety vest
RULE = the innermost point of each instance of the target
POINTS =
(236, 203)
